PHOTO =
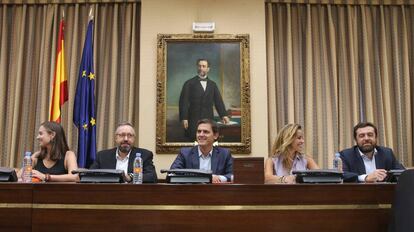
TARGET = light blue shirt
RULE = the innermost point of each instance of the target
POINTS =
(300, 163)
(205, 160)
(369, 164)
(205, 163)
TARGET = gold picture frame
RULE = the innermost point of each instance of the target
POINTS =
(228, 58)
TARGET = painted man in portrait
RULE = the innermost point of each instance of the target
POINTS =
(198, 96)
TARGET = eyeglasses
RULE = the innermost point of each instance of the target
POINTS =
(125, 135)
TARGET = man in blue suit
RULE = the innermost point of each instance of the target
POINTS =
(367, 162)
(205, 156)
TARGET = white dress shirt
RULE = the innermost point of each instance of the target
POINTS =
(369, 164)
(122, 164)
(203, 83)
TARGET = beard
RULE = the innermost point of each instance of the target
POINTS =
(202, 73)
(366, 148)
(124, 149)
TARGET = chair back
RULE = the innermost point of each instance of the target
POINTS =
(248, 170)
(402, 211)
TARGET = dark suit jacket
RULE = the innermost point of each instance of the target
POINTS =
(221, 161)
(353, 165)
(196, 104)
(106, 159)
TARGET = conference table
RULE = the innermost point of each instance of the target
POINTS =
(196, 207)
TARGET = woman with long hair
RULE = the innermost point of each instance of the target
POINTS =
(54, 161)
(287, 156)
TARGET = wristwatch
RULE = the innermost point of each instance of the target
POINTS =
(131, 175)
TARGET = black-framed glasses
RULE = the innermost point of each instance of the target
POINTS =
(123, 135)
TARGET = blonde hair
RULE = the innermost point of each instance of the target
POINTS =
(283, 141)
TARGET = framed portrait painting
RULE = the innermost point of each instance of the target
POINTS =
(203, 76)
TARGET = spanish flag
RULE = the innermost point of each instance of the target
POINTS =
(60, 86)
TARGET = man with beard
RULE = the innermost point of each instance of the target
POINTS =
(122, 157)
(367, 161)
(206, 157)
(198, 96)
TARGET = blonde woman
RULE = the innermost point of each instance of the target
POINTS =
(287, 156)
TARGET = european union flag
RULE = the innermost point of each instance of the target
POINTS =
(84, 106)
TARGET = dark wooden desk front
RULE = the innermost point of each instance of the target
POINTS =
(164, 207)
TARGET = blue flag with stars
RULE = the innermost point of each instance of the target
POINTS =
(84, 106)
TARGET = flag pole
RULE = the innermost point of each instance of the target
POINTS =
(90, 17)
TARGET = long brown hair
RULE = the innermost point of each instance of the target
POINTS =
(282, 143)
(59, 143)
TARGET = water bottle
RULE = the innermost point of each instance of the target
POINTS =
(137, 174)
(27, 167)
(337, 162)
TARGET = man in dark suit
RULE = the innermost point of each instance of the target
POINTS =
(367, 162)
(198, 96)
(205, 156)
(122, 157)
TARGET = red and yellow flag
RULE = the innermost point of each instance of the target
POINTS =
(60, 86)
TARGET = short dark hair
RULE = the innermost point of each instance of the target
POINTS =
(362, 125)
(212, 123)
(203, 59)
